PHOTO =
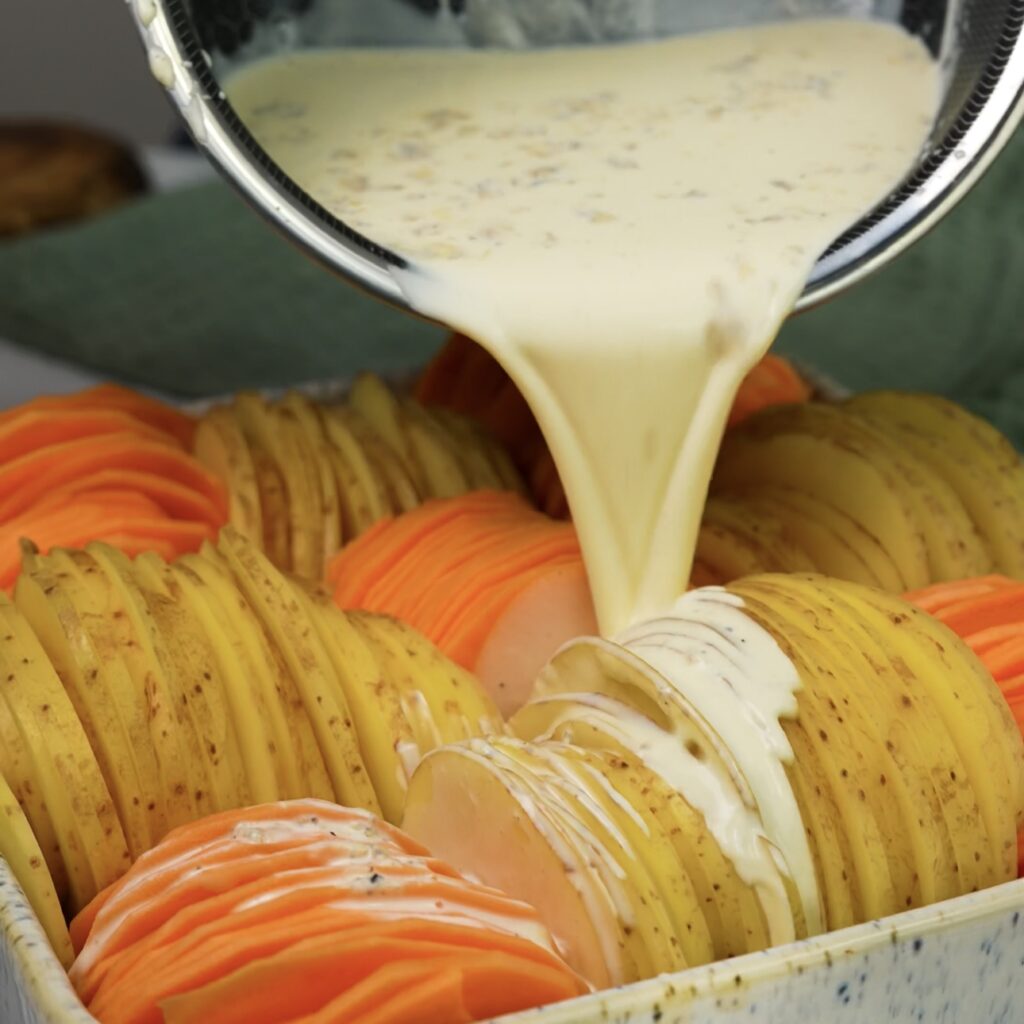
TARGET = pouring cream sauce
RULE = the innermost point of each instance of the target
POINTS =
(624, 227)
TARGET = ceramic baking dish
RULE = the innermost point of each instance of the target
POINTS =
(958, 962)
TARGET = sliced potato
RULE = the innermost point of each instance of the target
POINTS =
(221, 446)
(316, 442)
(388, 744)
(66, 770)
(64, 615)
(439, 466)
(458, 706)
(509, 840)
(274, 600)
(361, 489)
(302, 768)
(372, 399)
(181, 644)
(19, 848)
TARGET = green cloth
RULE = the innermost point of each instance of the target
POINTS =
(193, 294)
(947, 316)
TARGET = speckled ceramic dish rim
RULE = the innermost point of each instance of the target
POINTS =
(959, 961)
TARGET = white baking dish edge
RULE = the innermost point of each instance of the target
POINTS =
(960, 961)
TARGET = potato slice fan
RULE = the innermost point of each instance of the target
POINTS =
(194, 44)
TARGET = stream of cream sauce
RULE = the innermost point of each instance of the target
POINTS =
(624, 227)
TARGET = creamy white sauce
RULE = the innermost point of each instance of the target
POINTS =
(625, 227)
(161, 68)
(703, 781)
(409, 757)
(145, 11)
(419, 714)
(739, 679)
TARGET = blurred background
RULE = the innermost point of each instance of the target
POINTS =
(122, 256)
(46, 68)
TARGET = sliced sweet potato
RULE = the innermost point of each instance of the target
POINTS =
(114, 397)
(25, 480)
